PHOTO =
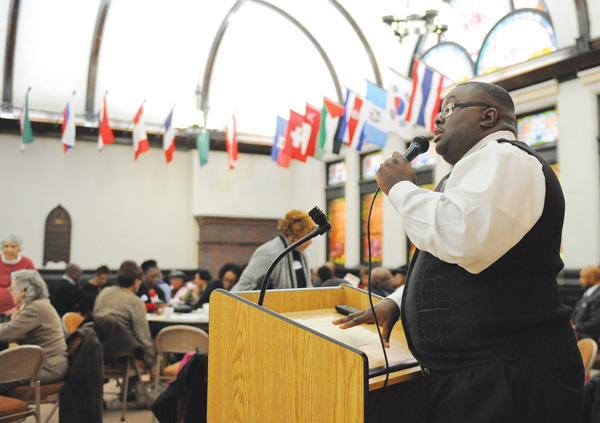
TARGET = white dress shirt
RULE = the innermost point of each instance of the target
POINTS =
(493, 197)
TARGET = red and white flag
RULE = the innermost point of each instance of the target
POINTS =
(140, 138)
(295, 143)
(169, 137)
(105, 135)
(231, 142)
(68, 127)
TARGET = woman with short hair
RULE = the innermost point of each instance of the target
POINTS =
(293, 270)
(11, 260)
(36, 322)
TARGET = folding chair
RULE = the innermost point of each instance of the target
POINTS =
(178, 339)
(71, 321)
(23, 363)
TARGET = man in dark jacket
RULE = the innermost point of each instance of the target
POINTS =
(586, 315)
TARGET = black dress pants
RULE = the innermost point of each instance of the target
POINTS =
(543, 388)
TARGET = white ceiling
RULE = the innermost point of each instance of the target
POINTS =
(157, 51)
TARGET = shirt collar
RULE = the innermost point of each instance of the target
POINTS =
(491, 137)
(591, 290)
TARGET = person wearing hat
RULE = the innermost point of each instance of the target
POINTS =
(11, 260)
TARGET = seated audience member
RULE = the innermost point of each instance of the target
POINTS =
(193, 294)
(586, 315)
(95, 285)
(36, 323)
(177, 284)
(149, 291)
(334, 282)
(325, 274)
(11, 260)
(292, 271)
(122, 304)
(382, 282)
(65, 294)
(229, 274)
(166, 288)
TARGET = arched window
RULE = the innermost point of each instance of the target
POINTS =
(487, 36)
(57, 239)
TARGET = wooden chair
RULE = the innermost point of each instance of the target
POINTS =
(21, 363)
(177, 339)
(71, 321)
(588, 349)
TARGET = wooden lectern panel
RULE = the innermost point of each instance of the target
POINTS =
(265, 368)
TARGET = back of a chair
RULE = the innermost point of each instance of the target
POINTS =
(23, 362)
(71, 321)
(181, 339)
(588, 349)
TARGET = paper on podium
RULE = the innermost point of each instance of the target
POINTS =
(354, 337)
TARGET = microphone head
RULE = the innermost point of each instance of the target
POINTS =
(318, 216)
(421, 142)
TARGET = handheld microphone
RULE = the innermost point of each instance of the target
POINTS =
(320, 218)
(419, 145)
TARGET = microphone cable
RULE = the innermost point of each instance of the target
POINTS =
(387, 364)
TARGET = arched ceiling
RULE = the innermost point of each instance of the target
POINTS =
(271, 56)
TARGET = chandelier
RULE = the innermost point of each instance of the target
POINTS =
(428, 21)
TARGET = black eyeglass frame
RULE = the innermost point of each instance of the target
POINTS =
(445, 113)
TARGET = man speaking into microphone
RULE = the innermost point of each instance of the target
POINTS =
(481, 308)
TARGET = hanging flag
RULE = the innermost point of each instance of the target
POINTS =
(310, 129)
(279, 138)
(169, 137)
(203, 145)
(352, 122)
(425, 98)
(68, 127)
(330, 119)
(231, 142)
(294, 142)
(26, 132)
(140, 138)
(377, 124)
(105, 135)
(397, 106)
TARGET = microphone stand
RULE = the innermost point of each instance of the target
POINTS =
(320, 230)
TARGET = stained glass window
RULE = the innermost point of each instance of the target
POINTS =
(376, 228)
(370, 164)
(471, 20)
(337, 235)
(337, 173)
(539, 128)
(486, 36)
(439, 56)
(506, 45)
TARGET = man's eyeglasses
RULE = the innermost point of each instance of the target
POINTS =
(448, 108)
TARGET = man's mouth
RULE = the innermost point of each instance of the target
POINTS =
(437, 134)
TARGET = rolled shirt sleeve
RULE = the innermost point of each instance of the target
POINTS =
(493, 197)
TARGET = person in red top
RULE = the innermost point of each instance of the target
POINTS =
(11, 260)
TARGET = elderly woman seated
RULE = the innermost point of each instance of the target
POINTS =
(36, 323)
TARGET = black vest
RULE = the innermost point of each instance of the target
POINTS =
(454, 319)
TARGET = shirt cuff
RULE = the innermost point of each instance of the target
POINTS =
(396, 297)
(400, 190)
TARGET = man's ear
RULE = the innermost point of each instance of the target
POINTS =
(489, 118)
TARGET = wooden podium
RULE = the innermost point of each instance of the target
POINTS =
(285, 362)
